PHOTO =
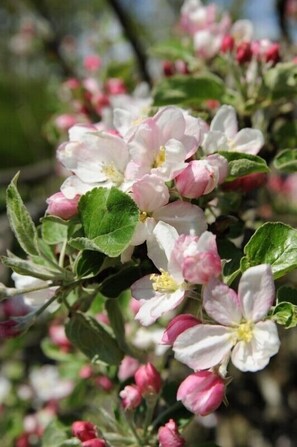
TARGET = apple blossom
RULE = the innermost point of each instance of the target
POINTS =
(198, 257)
(84, 430)
(131, 397)
(148, 379)
(243, 327)
(127, 368)
(160, 145)
(223, 134)
(200, 177)
(159, 293)
(178, 325)
(95, 158)
(202, 392)
(152, 196)
(61, 206)
(168, 435)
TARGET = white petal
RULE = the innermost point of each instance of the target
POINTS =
(160, 246)
(255, 355)
(153, 308)
(73, 186)
(171, 122)
(225, 121)
(221, 303)
(248, 141)
(203, 346)
(214, 141)
(183, 216)
(256, 292)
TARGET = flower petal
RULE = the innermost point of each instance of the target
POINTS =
(248, 141)
(160, 245)
(255, 355)
(184, 217)
(221, 303)
(225, 121)
(171, 122)
(203, 346)
(160, 303)
(256, 292)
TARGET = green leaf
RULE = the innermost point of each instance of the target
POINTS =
(109, 218)
(54, 352)
(243, 164)
(20, 220)
(26, 267)
(285, 314)
(229, 252)
(115, 284)
(285, 134)
(173, 49)
(93, 340)
(53, 230)
(286, 161)
(287, 294)
(88, 263)
(55, 434)
(273, 243)
(281, 80)
(115, 316)
(188, 90)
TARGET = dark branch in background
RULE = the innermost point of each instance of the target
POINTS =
(53, 45)
(281, 15)
(132, 37)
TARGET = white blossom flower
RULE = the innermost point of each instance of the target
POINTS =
(223, 134)
(243, 327)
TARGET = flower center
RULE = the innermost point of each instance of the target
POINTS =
(143, 216)
(160, 158)
(112, 173)
(164, 283)
(244, 332)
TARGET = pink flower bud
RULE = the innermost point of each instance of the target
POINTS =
(148, 379)
(23, 440)
(65, 121)
(127, 368)
(86, 372)
(168, 435)
(58, 337)
(198, 257)
(83, 430)
(59, 205)
(115, 86)
(131, 397)
(104, 383)
(92, 62)
(178, 325)
(96, 442)
(182, 67)
(244, 52)
(227, 43)
(272, 53)
(197, 179)
(246, 183)
(202, 392)
(168, 68)
(9, 328)
(72, 84)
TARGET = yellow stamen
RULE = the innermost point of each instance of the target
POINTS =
(244, 332)
(164, 283)
(142, 216)
(112, 173)
(160, 158)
